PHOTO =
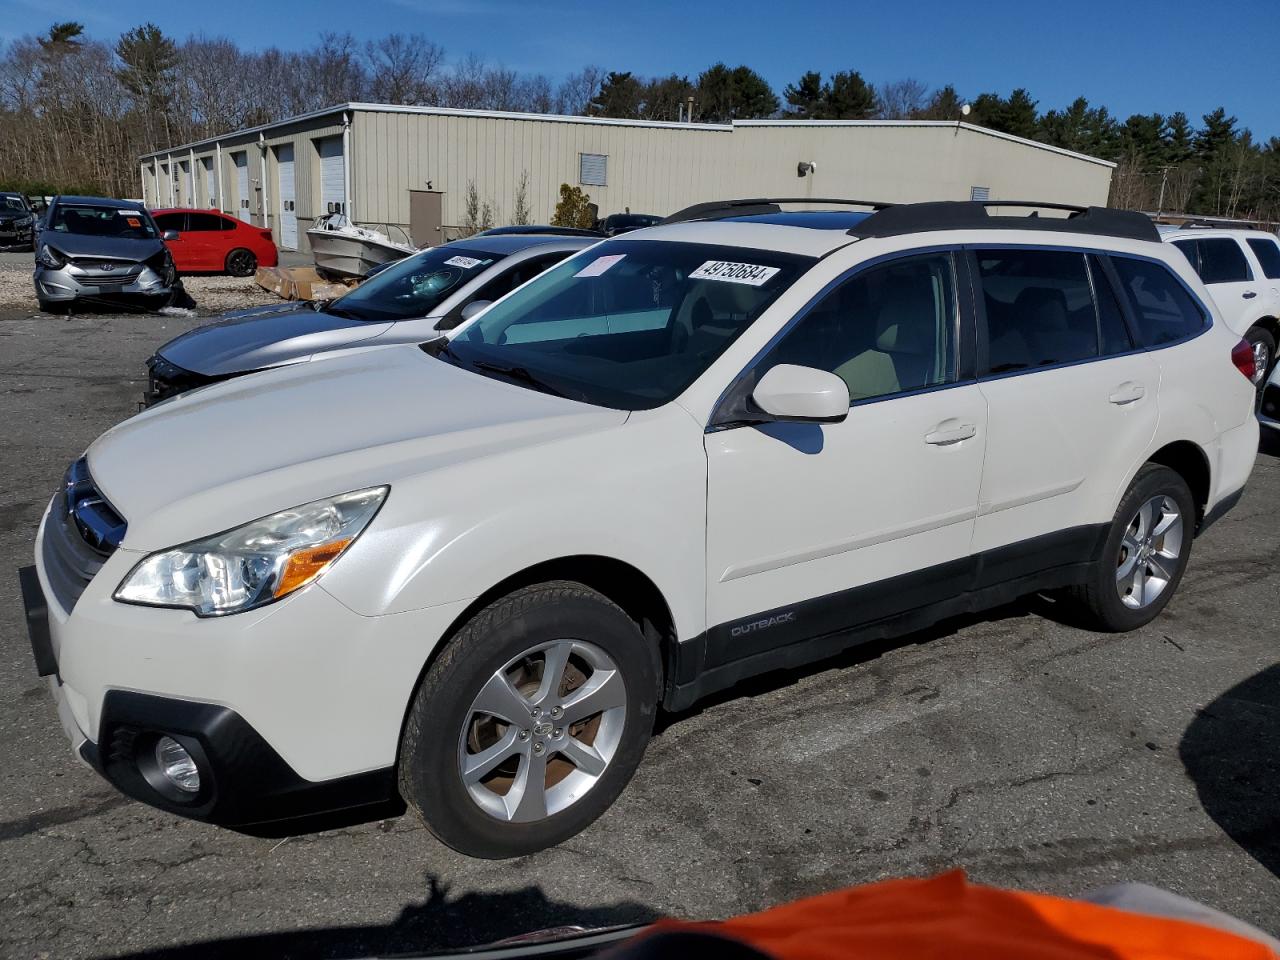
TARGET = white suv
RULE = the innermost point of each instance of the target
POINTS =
(465, 575)
(1241, 268)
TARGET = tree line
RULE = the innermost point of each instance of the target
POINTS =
(77, 112)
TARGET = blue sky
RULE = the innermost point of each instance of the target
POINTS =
(1134, 56)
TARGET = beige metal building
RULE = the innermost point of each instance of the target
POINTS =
(407, 169)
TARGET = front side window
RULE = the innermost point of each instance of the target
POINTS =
(1268, 253)
(1222, 261)
(1039, 308)
(1165, 312)
(628, 324)
(171, 221)
(888, 329)
(415, 286)
(95, 221)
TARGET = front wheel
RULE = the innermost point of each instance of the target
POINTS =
(531, 721)
(1145, 555)
(241, 263)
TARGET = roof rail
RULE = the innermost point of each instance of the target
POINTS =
(720, 209)
(905, 218)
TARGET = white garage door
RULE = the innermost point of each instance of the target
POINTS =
(332, 176)
(241, 160)
(288, 196)
(210, 181)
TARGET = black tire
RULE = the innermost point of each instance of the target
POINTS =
(1098, 597)
(430, 779)
(1261, 338)
(241, 262)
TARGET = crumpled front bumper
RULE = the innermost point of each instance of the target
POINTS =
(70, 283)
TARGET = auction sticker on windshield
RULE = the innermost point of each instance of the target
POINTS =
(599, 265)
(466, 263)
(753, 275)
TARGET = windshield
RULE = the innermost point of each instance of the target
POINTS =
(11, 204)
(95, 221)
(629, 323)
(415, 286)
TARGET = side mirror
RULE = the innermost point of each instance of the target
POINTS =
(474, 307)
(169, 235)
(802, 394)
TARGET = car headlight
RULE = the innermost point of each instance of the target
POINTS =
(51, 258)
(254, 564)
(24, 222)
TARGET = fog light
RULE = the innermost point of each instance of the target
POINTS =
(178, 766)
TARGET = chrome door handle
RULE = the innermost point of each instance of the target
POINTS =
(1127, 393)
(1249, 294)
(949, 432)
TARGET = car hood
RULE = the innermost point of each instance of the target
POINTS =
(13, 215)
(265, 337)
(82, 245)
(229, 453)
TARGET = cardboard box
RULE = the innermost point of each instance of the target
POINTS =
(299, 283)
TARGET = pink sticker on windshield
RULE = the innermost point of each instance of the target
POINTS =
(599, 265)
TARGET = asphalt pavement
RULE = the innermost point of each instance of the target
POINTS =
(1027, 751)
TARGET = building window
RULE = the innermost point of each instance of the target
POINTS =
(593, 169)
(979, 193)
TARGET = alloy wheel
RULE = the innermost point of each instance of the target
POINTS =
(1150, 552)
(1261, 362)
(542, 730)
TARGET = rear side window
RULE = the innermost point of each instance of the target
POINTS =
(1039, 308)
(1268, 254)
(1164, 310)
(1222, 261)
(206, 222)
(1189, 248)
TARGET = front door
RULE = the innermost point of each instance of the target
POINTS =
(1222, 265)
(426, 218)
(288, 198)
(814, 528)
(1072, 402)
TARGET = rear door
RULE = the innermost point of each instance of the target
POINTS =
(1071, 397)
(207, 238)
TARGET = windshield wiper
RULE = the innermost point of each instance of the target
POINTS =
(519, 374)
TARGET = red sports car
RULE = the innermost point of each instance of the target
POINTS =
(209, 242)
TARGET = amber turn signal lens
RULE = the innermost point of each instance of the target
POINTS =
(305, 565)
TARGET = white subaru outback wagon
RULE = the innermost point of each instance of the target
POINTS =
(465, 575)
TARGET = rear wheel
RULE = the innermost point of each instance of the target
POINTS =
(1264, 354)
(1145, 555)
(531, 721)
(241, 262)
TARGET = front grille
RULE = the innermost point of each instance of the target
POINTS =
(111, 280)
(165, 380)
(81, 532)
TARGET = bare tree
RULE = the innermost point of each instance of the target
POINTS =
(902, 99)
(521, 214)
(464, 85)
(579, 89)
(403, 68)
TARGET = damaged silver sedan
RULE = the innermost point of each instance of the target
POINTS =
(105, 253)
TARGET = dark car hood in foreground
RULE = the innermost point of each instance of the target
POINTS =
(267, 336)
(82, 245)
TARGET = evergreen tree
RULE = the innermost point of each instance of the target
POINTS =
(804, 99)
(739, 93)
(620, 96)
(849, 97)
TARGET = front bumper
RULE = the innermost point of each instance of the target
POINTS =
(293, 711)
(71, 283)
(20, 237)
